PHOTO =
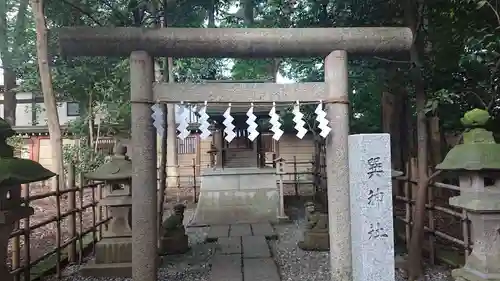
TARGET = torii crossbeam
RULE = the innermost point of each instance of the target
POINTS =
(142, 43)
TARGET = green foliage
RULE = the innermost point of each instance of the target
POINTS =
(460, 65)
(83, 157)
(16, 142)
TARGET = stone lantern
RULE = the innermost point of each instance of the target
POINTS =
(13, 173)
(113, 254)
(476, 162)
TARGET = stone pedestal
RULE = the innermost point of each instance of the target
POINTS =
(315, 241)
(113, 254)
(174, 245)
(484, 261)
(237, 195)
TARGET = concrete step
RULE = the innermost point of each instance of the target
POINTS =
(227, 268)
(217, 231)
(228, 246)
(260, 270)
(255, 247)
(264, 229)
(240, 230)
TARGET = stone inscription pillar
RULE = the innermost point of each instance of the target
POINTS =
(372, 225)
(143, 156)
(337, 166)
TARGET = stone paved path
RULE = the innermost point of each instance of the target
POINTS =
(242, 253)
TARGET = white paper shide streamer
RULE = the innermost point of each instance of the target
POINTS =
(323, 122)
(204, 125)
(299, 122)
(228, 123)
(275, 122)
(183, 122)
(158, 119)
(252, 125)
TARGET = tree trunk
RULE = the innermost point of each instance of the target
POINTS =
(415, 252)
(171, 132)
(9, 74)
(169, 138)
(49, 98)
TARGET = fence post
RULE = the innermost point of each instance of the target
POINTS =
(72, 208)
(58, 227)
(16, 249)
(195, 197)
(81, 194)
(432, 225)
(99, 211)
(178, 179)
(295, 176)
(27, 232)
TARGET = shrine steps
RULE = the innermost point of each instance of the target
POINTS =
(243, 253)
(237, 195)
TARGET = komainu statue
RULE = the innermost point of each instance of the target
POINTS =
(173, 234)
(316, 236)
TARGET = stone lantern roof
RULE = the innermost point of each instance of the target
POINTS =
(118, 168)
(479, 151)
(16, 171)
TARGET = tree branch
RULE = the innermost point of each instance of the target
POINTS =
(479, 98)
(393, 61)
(83, 12)
(497, 15)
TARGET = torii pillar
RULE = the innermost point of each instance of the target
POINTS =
(332, 43)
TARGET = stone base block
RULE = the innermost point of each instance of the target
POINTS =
(121, 270)
(284, 220)
(315, 241)
(237, 195)
(113, 250)
(462, 274)
(174, 245)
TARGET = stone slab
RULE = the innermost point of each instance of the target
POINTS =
(240, 230)
(229, 245)
(120, 270)
(264, 229)
(113, 250)
(260, 269)
(217, 231)
(255, 247)
(237, 195)
(226, 268)
(371, 207)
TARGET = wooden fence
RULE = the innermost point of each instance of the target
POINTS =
(64, 224)
(67, 223)
(447, 228)
(300, 179)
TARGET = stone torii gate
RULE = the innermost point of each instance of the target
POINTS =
(142, 44)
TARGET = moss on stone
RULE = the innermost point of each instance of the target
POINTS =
(479, 150)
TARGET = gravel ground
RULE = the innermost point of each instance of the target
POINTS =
(43, 239)
(192, 266)
(298, 265)
(294, 264)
